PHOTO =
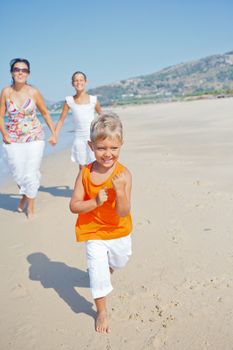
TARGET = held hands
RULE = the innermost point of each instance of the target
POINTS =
(5, 138)
(101, 197)
(52, 140)
(119, 182)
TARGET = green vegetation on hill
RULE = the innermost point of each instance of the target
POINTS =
(209, 76)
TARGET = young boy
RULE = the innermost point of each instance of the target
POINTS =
(101, 197)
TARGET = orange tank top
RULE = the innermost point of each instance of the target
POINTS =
(102, 222)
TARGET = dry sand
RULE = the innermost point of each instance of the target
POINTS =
(176, 292)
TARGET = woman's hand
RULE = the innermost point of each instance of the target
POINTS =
(6, 139)
(52, 140)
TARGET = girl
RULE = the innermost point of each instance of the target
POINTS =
(83, 107)
(24, 137)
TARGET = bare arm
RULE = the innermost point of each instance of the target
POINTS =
(98, 108)
(122, 183)
(5, 135)
(78, 204)
(44, 112)
(62, 118)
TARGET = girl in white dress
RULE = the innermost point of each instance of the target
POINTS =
(83, 107)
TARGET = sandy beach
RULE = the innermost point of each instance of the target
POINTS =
(176, 291)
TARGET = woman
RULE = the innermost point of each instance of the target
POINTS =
(24, 136)
(83, 108)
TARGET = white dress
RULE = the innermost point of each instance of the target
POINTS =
(83, 114)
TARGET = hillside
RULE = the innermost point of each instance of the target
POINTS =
(212, 75)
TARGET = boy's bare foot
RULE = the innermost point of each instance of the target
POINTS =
(101, 322)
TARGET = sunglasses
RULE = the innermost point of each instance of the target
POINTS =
(23, 70)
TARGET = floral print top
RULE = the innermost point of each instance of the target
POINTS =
(23, 125)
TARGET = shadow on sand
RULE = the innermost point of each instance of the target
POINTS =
(9, 201)
(63, 279)
(57, 191)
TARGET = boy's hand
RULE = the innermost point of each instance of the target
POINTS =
(119, 182)
(101, 197)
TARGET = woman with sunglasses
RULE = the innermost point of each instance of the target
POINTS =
(23, 135)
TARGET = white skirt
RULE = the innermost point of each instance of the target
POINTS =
(23, 160)
(81, 153)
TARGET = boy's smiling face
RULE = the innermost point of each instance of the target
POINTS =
(106, 150)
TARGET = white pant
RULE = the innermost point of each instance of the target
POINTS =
(24, 161)
(102, 254)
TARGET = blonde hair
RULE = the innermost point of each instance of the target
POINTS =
(106, 125)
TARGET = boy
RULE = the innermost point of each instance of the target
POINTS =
(101, 197)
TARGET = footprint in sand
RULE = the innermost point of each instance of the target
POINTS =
(167, 320)
(175, 239)
(28, 335)
(136, 316)
(197, 182)
(156, 342)
(141, 223)
(191, 284)
(160, 310)
(213, 282)
(119, 315)
(164, 313)
(207, 229)
(19, 291)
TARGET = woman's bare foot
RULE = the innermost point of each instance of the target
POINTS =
(101, 322)
(31, 208)
(22, 204)
(30, 215)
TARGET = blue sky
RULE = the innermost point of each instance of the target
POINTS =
(109, 40)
